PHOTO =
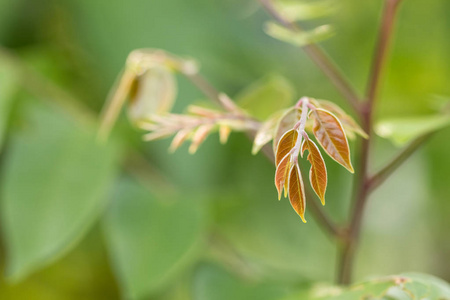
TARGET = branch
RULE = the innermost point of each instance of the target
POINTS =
(209, 91)
(319, 57)
(361, 191)
(377, 179)
(384, 39)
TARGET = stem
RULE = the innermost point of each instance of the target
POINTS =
(377, 179)
(362, 182)
(320, 58)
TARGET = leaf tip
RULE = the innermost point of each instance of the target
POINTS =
(303, 218)
(350, 168)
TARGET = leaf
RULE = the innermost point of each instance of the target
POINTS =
(347, 121)
(296, 11)
(283, 160)
(224, 133)
(285, 123)
(298, 38)
(179, 139)
(404, 130)
(214, 283)
(199, 136)
(403, 286)
(9, 83)
(151, 240)
(265, 133)
(331, 136)
(269, 94)
(287, 142)
(282, 175)
(55, 181)
(114, 104)
(297, 191)
(153, 92)
(318, 171)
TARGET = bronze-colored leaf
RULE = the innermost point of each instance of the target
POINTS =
(349, 124)
(287, 142)
(179, 139)
(286, 122)
(318, 171)
(199, 136)
(281, 174)
(224, 133)
(297, 192)
(331, 136)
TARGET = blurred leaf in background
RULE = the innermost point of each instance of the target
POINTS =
(151, 239)
(55, 184)
(9, 85)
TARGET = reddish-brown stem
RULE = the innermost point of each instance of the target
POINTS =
(320, 58)
(362, 182)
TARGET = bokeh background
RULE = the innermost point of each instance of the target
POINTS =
(83, 221)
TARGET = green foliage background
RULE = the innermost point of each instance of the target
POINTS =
(78, 225)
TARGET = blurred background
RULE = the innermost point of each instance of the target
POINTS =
(130, 220)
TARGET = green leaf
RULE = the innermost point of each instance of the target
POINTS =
(403, 131)
(213, 283)
(151, 239)
(9, 81)
(296, 10)
(266, 96)
(299, 38)
(54, 185)
(396, 287)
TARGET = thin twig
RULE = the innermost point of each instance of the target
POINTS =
(361, 191)
(322, 60)
(377, 179)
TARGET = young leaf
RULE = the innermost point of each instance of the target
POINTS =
(300, 38)
(331, 136)
(179, 139)
(285, 123)
(224, 133)
(296, 10)
(349, 124)
(287, 142)
(403, 131)
(114, 103)
(282, 174)
(153, 92)
(318, 171)
(266, 96)
(265, 133)
(297, 191)
(199, 136)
